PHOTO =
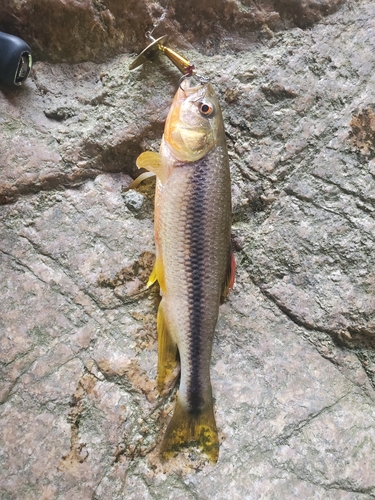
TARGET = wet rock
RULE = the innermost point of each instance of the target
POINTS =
(75, 125)
(293, 366)
(306, 12)
(76, 31)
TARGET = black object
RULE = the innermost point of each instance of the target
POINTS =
(15, 59)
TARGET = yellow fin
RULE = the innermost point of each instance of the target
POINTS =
(153, 277)
(152, 161)
(186, 429)
(157, 274)
(167, 353)
(140, 179)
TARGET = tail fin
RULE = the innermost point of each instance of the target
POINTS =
(187, 429)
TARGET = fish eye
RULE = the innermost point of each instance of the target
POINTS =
(206, 109)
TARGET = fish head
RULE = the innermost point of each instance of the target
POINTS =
(194, 124)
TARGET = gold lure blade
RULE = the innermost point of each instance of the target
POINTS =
(152, 50)
(149, 53)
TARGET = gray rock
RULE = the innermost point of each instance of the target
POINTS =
(77, 31)
(133, 200)
(293, 366)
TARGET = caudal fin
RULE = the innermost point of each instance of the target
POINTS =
(189, 429)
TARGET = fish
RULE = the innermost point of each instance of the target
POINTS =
(194, 264)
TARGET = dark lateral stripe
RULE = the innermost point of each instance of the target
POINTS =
(196, 265)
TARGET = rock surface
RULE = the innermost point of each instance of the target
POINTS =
(293, 365)
(81, 30)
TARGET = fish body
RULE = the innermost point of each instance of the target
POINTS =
(194, 262)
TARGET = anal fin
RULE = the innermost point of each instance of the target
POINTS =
(167, 353)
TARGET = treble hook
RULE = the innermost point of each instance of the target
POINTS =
(202, 79)
(183, 77)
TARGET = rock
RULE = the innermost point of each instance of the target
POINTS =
(321, 221)
(77, 31)
(133, 200)
(76, 125)
(293, 366)
(306, 12)
(363, 130)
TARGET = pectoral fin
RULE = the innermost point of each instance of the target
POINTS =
(140, 179)
(152, 162)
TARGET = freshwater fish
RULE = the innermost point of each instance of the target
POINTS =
(194, 263)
